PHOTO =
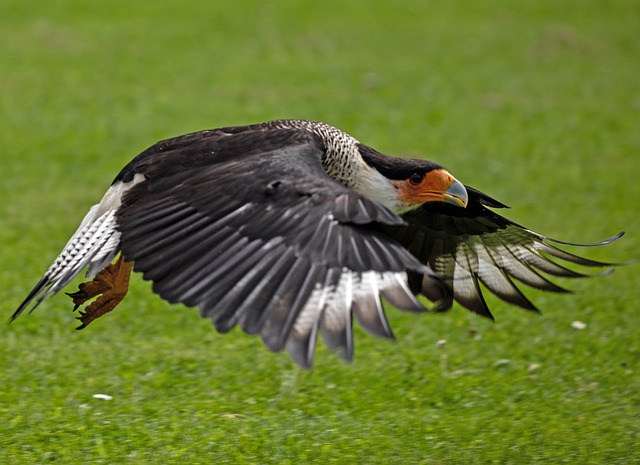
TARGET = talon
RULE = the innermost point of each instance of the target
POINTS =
(110, 286)
(78, 298)
(78, 294)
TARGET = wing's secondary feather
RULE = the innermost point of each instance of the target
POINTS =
(261, 237)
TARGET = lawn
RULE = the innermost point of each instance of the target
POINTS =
(535, 102)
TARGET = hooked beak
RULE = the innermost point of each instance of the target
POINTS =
(456, 194)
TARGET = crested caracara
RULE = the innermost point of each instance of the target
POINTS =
(288, 228)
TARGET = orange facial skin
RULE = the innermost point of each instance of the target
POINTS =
(435, 186)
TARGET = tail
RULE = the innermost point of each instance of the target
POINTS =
(94, 244)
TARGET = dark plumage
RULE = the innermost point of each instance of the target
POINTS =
(287, 228)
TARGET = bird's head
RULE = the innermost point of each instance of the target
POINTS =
(403, 184)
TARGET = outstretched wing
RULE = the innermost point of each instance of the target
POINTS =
(473, 245)
(254, 233)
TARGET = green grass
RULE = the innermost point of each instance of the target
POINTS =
(536, 103)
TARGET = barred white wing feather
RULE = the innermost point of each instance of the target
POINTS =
(330, 307)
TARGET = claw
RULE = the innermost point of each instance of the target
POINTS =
(78, 298)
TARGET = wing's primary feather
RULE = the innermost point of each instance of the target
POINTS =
(470, 246)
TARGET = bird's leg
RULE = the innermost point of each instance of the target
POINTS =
(110, 284)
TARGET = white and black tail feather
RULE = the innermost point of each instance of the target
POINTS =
(94, 244)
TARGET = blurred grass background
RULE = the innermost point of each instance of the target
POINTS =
(535, 102)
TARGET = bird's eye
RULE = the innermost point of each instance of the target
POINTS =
(416, 178)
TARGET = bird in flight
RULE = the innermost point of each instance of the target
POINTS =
(288, 228)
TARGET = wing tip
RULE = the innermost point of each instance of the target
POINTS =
(606, 241)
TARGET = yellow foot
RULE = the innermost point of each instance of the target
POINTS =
(111, 284)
